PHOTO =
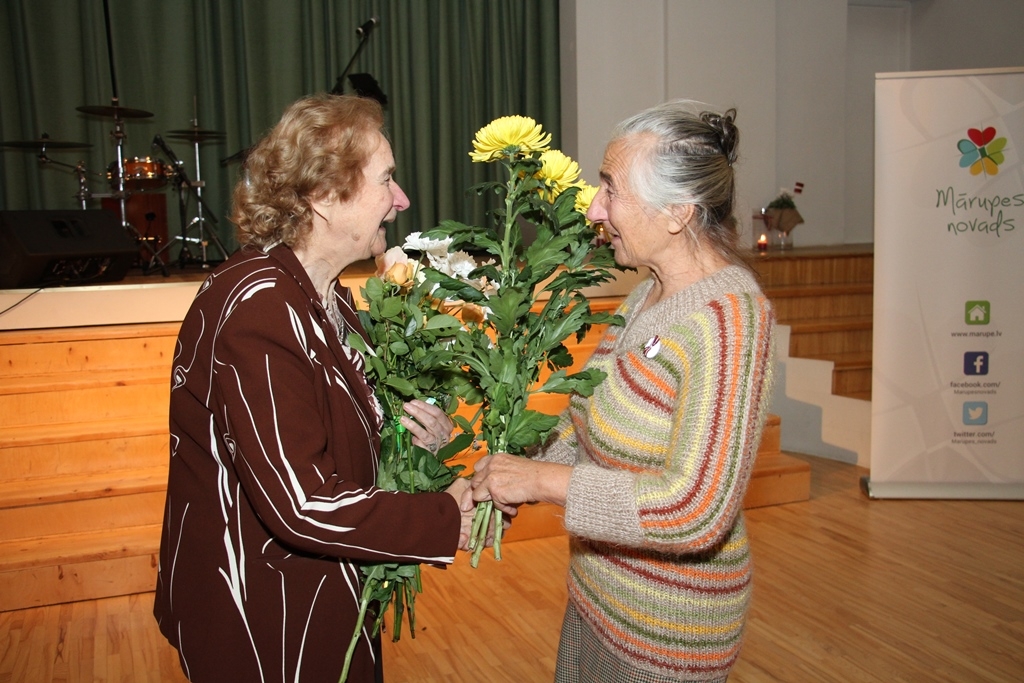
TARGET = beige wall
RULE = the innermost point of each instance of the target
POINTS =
(785, 66)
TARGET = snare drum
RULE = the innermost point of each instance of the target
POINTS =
(142, 173)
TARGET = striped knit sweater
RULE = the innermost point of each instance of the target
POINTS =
(663, 451)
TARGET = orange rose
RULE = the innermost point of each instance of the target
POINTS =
(399, 274)
(471, 313)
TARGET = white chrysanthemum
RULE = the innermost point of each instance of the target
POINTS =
(427, 245)
(458, 264)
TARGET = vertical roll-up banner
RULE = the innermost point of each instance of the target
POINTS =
(947, 408)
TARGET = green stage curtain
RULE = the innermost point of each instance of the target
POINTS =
(447, 67)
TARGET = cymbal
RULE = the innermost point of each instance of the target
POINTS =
(196, 134)
(116, 111)
(45, 142)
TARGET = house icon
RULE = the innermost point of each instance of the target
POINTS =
(977, 313)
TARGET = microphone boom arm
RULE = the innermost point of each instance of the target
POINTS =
(363, 32)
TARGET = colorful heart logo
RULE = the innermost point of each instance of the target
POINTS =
(981, 137)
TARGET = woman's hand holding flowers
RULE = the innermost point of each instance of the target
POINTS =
(459, 490)
(510, 481)
(431, 429)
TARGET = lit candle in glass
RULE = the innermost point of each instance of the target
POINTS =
(762, 243)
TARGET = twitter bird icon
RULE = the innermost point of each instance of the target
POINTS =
(975, 413)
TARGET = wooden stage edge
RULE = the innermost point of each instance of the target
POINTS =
(153, 297)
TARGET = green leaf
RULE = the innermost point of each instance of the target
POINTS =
(561, 328)
(527, 428)
(582, 382)
(391, 307)
(594, 377)
(404, 387)
(356, 341)
(374, 289)
(461, 442)
(399, 348)
(448, 285)
(443, 321)
(560, 357)
(506, 308)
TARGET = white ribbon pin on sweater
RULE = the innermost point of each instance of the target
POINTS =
(653, 346)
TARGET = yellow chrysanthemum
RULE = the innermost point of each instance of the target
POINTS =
(558, 171)
(585, 196)
(520, 132)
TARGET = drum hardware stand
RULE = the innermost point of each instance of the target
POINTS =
(119, 113)
(83, 186)
(118, 135)
(83, 195)
(184, 184)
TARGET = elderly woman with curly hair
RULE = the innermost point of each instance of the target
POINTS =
(275, 430)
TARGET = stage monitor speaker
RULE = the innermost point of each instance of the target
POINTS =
(44, 248)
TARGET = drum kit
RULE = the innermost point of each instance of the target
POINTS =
(127, 176)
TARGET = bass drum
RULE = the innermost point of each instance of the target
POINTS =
(142, 174)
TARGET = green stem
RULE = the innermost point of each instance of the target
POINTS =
(499, 528)
(410, 600)
(405, 443)
(399, 608)
(474, 532)
(487, 507)
(508, 268)
(364, 603)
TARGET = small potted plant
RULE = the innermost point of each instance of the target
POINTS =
(781, 214)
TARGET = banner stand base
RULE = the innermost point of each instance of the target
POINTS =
(908, 490)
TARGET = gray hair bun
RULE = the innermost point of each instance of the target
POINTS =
(725, 127)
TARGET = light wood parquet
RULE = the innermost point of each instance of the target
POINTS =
(845, 589)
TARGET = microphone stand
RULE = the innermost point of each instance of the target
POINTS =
(339, 86)
(184, 185)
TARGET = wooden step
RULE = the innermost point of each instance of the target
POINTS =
(815, 265)
(812, 338)
(823, 289)
(850, 360)
(851, 375)
(40, 352)
(821, 301)
(840, 324)
(95, 430)
(71, 381)
(70, 567)
(92, 546)
(48, 490)
(84, 515)
(771, 436)
(861, 395)
(92, 333)
(778, 479)
(33, 461)
(852, 383)
(104, 403)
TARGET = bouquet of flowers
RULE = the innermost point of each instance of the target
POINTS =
(528, 295)
(404, 324)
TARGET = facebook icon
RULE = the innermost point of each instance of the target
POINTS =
(976, 363)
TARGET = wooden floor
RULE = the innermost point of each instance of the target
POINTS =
(846, 589)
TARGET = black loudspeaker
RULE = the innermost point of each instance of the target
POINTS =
(42, 248)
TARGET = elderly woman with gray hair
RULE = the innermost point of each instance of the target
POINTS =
(652, 468)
